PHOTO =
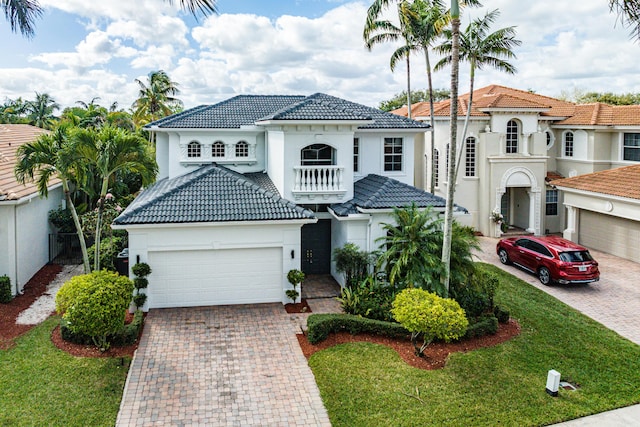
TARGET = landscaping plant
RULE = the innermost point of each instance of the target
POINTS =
(5, 289)
(424, 313)
(353, 262)
(295, 277)
(141, 270)
(95, 305)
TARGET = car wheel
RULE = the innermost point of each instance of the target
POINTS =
(504, 257)
(545, 276)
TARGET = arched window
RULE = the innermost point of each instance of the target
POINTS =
(317, 154)
(470, 157)
(217, 149)
(512, 137)
(194, 149)
(568, 144)
(436, 167)
(242, 149)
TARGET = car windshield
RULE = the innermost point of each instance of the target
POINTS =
(575, 256)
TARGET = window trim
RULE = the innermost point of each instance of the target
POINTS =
(436, 167)
(512, 140)
(551, 202)
(215, 152)
(356, 155)
(194, 150)
(470, 158)
(625, 147)
(390, 159)
(241, 149)
(568, 144)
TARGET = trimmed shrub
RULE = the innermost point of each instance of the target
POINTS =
(371, 299)
(96, 304)
(319, 326)
(5, 289)
(125, 336)
(425, 313)
(141, 269)
(486, 325)
(502, 314)
(139, 299)
(140, 282)
(476, 295)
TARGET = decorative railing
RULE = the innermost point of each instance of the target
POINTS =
(319, 179)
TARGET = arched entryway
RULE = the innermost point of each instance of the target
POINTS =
(518, 198)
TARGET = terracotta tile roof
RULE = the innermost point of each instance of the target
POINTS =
(496, 96)
(604, 115)
(552, 175)
(621, 182)
(11, 137)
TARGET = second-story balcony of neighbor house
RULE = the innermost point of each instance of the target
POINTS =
(318, 175)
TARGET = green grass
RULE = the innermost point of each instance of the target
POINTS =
(369, 385)
(41, 385)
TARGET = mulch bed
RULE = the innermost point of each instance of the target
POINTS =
(34, 288)
(436, 353)
(299, 307)
(10, 311)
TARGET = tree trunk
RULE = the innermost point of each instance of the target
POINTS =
(103, 194)
(408, 86)
(76, 222)
(448, 219)
(432, 186)
(467, 118)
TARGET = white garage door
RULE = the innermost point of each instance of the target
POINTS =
(610, 234)
(215, 277)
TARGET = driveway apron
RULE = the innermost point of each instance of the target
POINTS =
(221, 366)
(614, 301)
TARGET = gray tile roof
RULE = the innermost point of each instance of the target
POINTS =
(380, 192)
(210, 194)
(249, 109)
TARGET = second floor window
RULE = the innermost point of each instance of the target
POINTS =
(631, 147)
(217, 149)
(356, 154)
(568, 144)
(392, 154)
(242, 149)
(318, 154)
(470, 157)
(512, 137)
(552, 202)
(436, 166)
(194, 149)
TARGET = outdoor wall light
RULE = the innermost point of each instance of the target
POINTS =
(553, 382)
(293, 254)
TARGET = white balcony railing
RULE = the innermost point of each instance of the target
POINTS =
(319, 179)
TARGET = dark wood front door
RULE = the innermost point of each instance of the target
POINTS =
(316, 247)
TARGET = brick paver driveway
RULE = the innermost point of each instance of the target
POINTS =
(221, 366)
(614, 301)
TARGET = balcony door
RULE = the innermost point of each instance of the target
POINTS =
(318, 155)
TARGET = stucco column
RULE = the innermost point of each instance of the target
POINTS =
(532, 212)
(525, 144)
(570, 232)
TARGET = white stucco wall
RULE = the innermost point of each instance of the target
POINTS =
(24, 236)
(163, 238)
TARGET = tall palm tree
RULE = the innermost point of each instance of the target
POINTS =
(481, 48)
(47, 157)
(156, 98)
(109, 151)
(22, 14)
(628, 12)
(382, 31)
(41, 110)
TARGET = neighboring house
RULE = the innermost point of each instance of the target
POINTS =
(516, 143)
(24, 223)
(255, 186)
(603, 210)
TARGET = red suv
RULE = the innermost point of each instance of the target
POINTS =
(552, 259)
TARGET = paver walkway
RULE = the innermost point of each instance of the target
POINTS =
(221, 366)
(614, 301)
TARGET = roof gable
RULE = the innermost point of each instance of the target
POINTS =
(209, 194)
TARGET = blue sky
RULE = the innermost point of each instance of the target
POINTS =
(86, 49)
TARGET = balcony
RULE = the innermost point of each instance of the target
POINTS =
(323, 181)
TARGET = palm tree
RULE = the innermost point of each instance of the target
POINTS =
(22, 14)
(410, 249)
(481, 48)
(377, 32)
(109, 151)
(47, 157)
(628, 12)
(41, 110)
(156, 98)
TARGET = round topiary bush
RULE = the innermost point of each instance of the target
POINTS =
(95, 304)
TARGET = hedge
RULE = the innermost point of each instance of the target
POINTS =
(319, 326)
(5, 289)
(486, 325)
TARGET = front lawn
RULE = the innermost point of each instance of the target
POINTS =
(369, 385)
(42, 385)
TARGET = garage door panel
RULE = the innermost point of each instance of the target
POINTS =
(215, 277)
(610, 234)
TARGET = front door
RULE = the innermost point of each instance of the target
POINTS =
(316, 247)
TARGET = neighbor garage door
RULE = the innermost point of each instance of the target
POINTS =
(215, 277)
(610, 234)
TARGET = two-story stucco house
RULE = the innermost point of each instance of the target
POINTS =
(518, 143)
(254, 186)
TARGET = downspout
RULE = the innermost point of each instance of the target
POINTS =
(15, 240)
